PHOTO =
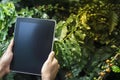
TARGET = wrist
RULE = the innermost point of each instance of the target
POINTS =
(1, 70)
(1, 67)
(45, 77)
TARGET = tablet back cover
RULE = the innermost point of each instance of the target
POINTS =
(32, 44)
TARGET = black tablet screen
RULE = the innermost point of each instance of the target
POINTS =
(33, 43)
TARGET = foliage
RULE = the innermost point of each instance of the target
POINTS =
(7, 18)
(14, 1)
(116, 69)
(7, 11)
(93, 29)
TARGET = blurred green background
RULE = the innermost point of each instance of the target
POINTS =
(87, 42)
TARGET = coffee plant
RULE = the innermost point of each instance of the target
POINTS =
(86, 39)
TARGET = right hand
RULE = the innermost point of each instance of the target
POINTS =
(50, 68)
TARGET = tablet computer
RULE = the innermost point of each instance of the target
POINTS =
(33, 41)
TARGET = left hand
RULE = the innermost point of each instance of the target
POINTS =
(6, 59)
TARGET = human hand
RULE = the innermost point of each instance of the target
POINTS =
(50, 68)
(5, 60)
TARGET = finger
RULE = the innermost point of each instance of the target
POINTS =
(55, 61)
(51, 56)
(10, 46)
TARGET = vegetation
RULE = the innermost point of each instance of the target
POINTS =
(86, 36)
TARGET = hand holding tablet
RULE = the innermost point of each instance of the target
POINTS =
(48, 71)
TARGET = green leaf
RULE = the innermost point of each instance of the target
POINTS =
(61, 30)
(2, 16)
(113, 21)
(115, 69)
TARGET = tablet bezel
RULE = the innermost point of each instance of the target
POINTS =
(30, 20)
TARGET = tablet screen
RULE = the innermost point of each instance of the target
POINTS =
(33, 43)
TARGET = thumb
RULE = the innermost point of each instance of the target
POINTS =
(51, 56)
(10, 46)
